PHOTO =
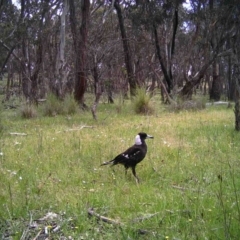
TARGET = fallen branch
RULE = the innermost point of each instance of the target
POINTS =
(141, 219)
(38, 234)
(76, 129)
(185, 189)
(91, 212)
(18, 134)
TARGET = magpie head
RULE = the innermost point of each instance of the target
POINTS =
(141, 137)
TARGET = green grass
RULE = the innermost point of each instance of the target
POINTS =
(190, 178)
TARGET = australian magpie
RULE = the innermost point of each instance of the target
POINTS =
(133, 155)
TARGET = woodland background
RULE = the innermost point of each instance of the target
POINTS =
(113, 46)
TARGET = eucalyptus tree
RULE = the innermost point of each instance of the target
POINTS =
(35, 19)
(126, 46)
(161, 20)
(211, 20)
(8, 41)
(103, 44)
(8, 19)
(80, 38)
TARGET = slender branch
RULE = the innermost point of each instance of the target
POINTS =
(91, 212)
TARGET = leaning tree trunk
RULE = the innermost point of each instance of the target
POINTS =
(161, 61)
(126, 49)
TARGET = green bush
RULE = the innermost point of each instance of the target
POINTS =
(189, 105)
(28, 111)
(141, 102)
(70, 105)
(55, 106)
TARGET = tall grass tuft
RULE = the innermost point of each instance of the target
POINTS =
(1, 121)
(141, 102)
(28, 111)
(55, 106)
(70, 105)
(189, 105)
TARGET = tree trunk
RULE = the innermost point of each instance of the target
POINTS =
(97, 90)
(109, 84)
(80, 47)
(216, 89)
(237, 115)
(164, 69)
(127, 52)
(61, 72)
(187, 89)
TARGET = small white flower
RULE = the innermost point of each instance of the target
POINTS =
(1, 153)
(20, 178)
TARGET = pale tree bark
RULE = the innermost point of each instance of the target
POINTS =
(61, 72)
(31, 66)
(97, 88)
(25, 68)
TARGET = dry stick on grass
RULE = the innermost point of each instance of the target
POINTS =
(18, 134)
(76, 129)
(141, 219)
(91, 212)
(37, 235)
(185, 189)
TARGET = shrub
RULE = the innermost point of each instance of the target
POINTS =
(70, 105)
(55, 106)
(141, 102)
(189, 105)
(28, 111)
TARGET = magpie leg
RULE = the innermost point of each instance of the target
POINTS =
(135, 175)
(112, 168)
(126, 168)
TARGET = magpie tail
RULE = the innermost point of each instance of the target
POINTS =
(106, 163)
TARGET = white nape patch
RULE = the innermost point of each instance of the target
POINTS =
(126, 156)
(138, 140)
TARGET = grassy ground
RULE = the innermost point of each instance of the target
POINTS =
(189, 186)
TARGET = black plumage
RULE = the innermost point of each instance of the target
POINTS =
(133, 155)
